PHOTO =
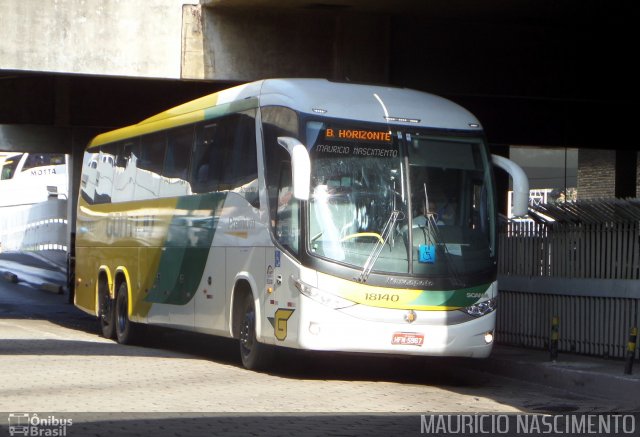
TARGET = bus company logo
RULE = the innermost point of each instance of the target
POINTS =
(241, 223)
(26, 424)
(43, 171)
(410, 316)
(409, 282)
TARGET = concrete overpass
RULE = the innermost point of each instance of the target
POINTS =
(543, 73)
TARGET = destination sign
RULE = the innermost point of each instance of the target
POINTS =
(357, 134)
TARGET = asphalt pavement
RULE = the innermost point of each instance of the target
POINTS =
(586, 375)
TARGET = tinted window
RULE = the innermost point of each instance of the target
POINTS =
(152, 152)
(283, 208)
(43, 159)
(105, 172)
(224, 156)
(9, 167)
(176, 162)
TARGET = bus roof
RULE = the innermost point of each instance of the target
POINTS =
(380, 104)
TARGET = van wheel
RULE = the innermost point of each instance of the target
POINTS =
(254, 355)
(106, 312)
(126, 331)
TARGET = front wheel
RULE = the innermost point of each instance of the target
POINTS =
(127, 332)
(254, 355)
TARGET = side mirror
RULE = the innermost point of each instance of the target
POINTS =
(520, 184)
(300, 166)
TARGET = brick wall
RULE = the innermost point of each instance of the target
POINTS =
(596, 174)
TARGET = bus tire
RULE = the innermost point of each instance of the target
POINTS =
(126, 330)
(106, 312)
(254, 355)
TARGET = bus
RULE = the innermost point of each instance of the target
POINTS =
(285, 213)
(28, 178)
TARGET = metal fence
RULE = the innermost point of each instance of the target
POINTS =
(571, 250)
(578, 262)
(588, 325)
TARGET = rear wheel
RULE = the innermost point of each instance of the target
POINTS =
(106, 312)
(126, 331)
(254, 355)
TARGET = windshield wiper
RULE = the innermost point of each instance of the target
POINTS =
(387, 230)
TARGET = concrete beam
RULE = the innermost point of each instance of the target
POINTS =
(231, 45)
(119, 38)
(35, 138)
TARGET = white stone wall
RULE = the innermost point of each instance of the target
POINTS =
(104, 37)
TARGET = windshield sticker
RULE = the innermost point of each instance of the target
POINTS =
(427, 253)
(269, 275)
(276, 260)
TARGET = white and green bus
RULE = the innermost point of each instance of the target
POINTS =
(299, 213)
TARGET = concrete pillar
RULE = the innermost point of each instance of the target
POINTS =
(192, 62)
(637, 174)
(596, 174)
(626, 173)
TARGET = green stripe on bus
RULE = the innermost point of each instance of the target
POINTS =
(230, 108)
(452, 298)
(186, 249)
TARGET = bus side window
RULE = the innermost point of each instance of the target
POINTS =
(105, 173)
(152, 148)
(127, 155)
(9, 167)
(42, 159)
(152, 152)
(283, 208)
(176, 162)
(34, 160)
(224, 156)
(242, 173)
(287, 220)
(201, 170)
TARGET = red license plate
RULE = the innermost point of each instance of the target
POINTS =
(408, 338)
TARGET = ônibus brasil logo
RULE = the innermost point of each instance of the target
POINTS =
(27, 424)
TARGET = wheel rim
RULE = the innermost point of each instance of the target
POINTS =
(247, 332)
(122, 313)
(105, 310)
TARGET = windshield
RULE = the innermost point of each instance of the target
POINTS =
(399, 203)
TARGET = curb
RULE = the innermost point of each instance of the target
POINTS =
(585, 377)
(46, 286)
(52, 288)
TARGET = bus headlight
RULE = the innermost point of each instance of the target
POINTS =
(321, 296)
(482, 308)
